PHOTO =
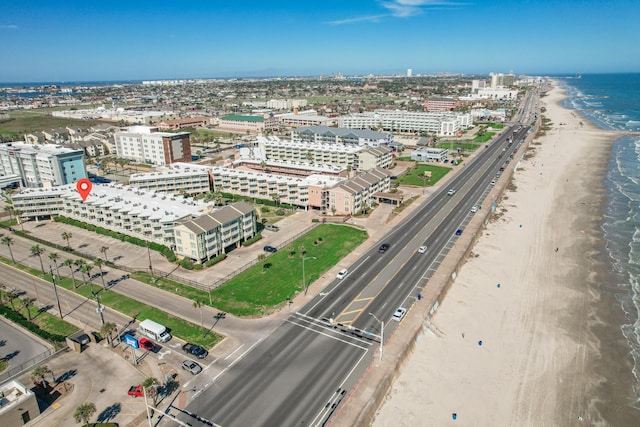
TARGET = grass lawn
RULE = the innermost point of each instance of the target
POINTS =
(270, 283)
(180, 328)
(484, 137)
(50, 323)
(415, 175)
(23, 121)
(452, 146)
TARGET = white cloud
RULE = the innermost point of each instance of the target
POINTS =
(398, 9)
(8, 27)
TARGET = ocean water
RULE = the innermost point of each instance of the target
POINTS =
(612, 101)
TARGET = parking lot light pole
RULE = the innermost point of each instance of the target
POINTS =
(381, 332)
(303, 278)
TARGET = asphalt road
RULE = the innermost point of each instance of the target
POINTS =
(300, 374)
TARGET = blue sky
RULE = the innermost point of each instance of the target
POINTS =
(121, 40)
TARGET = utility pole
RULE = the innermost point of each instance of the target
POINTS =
(149, 255)
(55, 290)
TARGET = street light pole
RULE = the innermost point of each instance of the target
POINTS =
(55, 290)
(381, 333)
(303, 278)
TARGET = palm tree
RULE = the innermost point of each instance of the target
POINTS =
(8, 240)
(39, 373)
(27, 303)
(86, 269)
(84, 412)
(103, 251)
(199, 304)
(98, 263)
(152, 384)
(69, 263)
(54, 257)
(12, 295)
(107, 330)
(38, 251)
(79, 263)
(66, 236)
(9, 209)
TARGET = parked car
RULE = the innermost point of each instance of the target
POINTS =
(342, 274)
(399, 314)
(383, 247)
(195, 350)
(451, 192)
(459, 232)
(270, 249)
(83, 339)
(146, 344)
(272, 228)
(493, 182)
(422, 249)
(474, 208)
(191, 366)
(135, 391)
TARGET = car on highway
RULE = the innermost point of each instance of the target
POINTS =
(383, 247)
(474, 208)
(399, 314)
(272, 227)
(342, 274)
(459, 232)
(191, 366)
(422, 249)
(195, 350)
(451, 192)
(493, 182)
(146, 344)
(270, 249)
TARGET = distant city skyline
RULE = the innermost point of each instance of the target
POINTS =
(46, 41)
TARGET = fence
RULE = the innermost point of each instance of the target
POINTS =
(9, 373)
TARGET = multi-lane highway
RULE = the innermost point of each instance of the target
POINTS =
(301, 374)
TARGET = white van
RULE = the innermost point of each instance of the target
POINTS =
(154, 330)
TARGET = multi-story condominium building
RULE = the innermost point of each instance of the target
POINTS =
(497, 93)
(407, 122)
(350, 157)
(286, 104)
(441, 104)
(502, 80)
(145, 144)
(117, 114)
(329, 135)
(304, 118)
(177, 178)
(146, 215)
(250, 124)
(291, 168)
(212, 234)
(186, 122)
(352, 196)
(284, 189)
(42, 165)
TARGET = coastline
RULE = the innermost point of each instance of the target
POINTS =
(552, 351)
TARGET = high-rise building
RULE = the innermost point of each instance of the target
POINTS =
(42, 165)
(145, 144)
(409, 72)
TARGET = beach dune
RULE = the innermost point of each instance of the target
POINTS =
(520, 332)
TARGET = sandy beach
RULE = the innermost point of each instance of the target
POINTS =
(528, 334)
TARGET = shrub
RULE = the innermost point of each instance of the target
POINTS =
(19, 318)
(264, 209)
(215, 260)
(186, 263)
(315, 220)
(252, 240)
(280, 212)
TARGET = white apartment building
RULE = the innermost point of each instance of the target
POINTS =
(286, 104)
(42, 165)
(176, 178)
(143, 214)
(427, 154)
(210, 235)
(407, 121)
(117, 114)
(331, 135)
(145, 144)
(497, 93)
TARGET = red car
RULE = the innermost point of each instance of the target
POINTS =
(147, 344)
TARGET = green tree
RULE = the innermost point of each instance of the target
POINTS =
(151, 384)
(38, 250)
(39, 374)
(84, 412)
(98, 263)
(27, 303)
(54, 257)
(199, 304)
(66, 236)
(103, 250)
(69, 263)
(86, 269)
(107, 330)
(8, 240)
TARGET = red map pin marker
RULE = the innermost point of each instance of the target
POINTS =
(84, 188)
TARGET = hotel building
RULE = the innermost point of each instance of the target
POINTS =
(330, 135)
(441, 124)
(145, 144)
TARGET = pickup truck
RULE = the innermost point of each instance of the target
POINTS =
(135, 391)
